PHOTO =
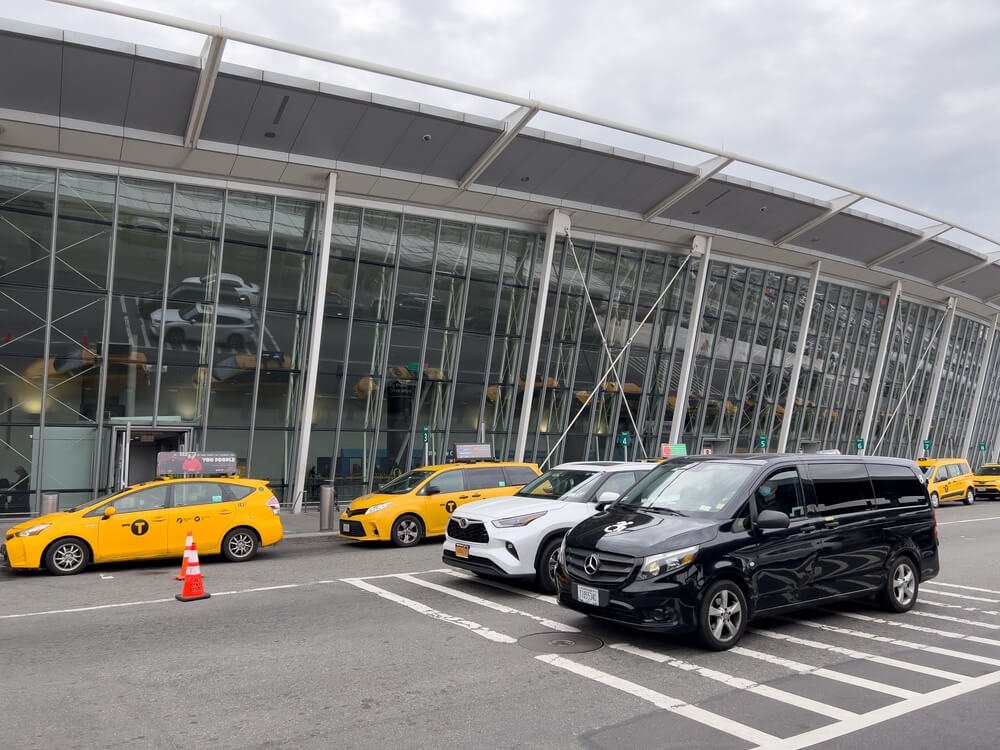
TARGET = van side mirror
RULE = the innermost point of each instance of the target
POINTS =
(772, 519)
(110, 511)
(605, 499)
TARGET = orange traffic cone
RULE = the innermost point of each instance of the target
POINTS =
(188, 549)
(194, 586)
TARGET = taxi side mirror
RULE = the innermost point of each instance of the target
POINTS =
(433, 489)
(109, 511)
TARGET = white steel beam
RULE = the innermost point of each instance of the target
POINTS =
(793, 383)
(837, 205)
(928, 234)
(211, 58)
(936, 373)
(875, 384)
(701, 247)
(705, 172)
(513, 125)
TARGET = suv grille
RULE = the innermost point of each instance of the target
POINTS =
(474, 532)
(611, 568)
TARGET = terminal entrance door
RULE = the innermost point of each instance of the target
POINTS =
(134, 449)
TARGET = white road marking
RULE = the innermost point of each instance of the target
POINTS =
(969, 520)
(660, 700)
(960, 596)
(921, 629)
(551, 624)
(949, 605)
(85, 609)
(959, 620)
(853, 654)
(106, 577)
(739, 683)
(423, 609)
(500, 586)
(933, 584)
(795, 666)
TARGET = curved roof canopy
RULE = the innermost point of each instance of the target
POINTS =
(108, 101)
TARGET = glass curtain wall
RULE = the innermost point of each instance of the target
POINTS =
(986, 429)
(967, 351)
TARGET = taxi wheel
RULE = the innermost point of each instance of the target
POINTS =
(723, 615)
(970, 496)
(546, 575)
(65, 557)
(240, 545)
(406, 531)
(934, 500)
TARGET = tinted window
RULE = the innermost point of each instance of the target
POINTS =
(841, 487)
(198, 493)
(554, 483)
(448, 481)
(518, 475)
(782, 491)
(485, 479)
(895, 485)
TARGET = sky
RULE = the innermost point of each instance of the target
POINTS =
(896, 98)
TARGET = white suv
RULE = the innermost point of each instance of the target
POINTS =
(518, 536)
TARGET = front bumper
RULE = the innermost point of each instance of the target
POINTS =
(362, 528)
(986, 491)
(492, 557)
(21, 553)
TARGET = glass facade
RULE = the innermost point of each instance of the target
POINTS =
(143, 315)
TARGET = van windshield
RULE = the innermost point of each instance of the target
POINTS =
(701, 487)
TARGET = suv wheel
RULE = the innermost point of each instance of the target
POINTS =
(722, 617)
(406, 531)
(935, 502)
(900, 591)
(970, 496)
(546, 566)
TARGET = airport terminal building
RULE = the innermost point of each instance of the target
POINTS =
(335, 284)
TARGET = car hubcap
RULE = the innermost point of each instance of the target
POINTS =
(725, 615)
(904, 584)
(241, 545)
(407, 532)
(68, 557)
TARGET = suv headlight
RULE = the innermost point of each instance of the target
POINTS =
(377, 507)
(667, 562)
(38, 528)
(506, 523)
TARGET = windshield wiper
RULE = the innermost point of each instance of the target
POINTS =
(671, 511)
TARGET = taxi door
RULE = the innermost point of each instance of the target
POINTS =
(138, 527)
(442, 494)
(199, 508)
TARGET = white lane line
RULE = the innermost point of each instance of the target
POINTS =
(949, 605)
(921, 629)
(395, 575)
(499, 585)
(959, 620)
(85, 609)
(739, 683)
(933, 584)
(423, 609)
(551, 624)
(986, 599)
(853, 654)
(660, 700)
(886, 713)
(795, 666)
(969, 520)
(903, 644)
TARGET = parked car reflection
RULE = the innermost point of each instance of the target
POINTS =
(235, 326)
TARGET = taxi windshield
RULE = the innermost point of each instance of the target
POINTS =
(990, 471)
(88, 503)
(554, 483)
(700, 487)
(927, 470)
(405, 483)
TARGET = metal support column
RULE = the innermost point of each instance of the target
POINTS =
(558, 224)
(977, 399)
(875, 385)
(793, 383)
(701, 247)
(936, 373)
(312, 353)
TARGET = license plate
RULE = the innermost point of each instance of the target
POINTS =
(588, 595)
(345, 527)
(461, 550)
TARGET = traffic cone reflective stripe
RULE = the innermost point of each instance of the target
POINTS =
(194, 585)
(188, 549)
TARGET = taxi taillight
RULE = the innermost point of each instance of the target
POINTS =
(272, 503)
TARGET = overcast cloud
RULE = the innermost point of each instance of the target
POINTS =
(900, 98)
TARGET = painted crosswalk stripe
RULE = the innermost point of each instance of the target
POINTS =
(660, 700)
(423, 609)
(853, 654)
(986, 599)
(949, 605)
(739, 683)
(795, 666)
(921, 629)
(959, 620)
(501, 586)
(551, 624)
(935, 584)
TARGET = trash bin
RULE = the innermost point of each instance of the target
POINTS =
(49, 503)
(326, 507)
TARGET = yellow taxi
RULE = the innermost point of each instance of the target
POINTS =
(987, 482)
(948, 479)
(419, 503)
(228, 515)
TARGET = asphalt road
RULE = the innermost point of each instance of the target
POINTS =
(322, 642)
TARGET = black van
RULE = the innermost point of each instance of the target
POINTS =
(706, 543)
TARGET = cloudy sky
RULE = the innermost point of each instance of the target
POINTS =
(897, 98)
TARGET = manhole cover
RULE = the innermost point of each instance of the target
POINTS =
(560, 643)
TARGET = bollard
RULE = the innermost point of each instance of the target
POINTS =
(326, 507)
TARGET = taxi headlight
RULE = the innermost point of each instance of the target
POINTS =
(377, 507)
(507, 523)
(667, 562)
(38, 528)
